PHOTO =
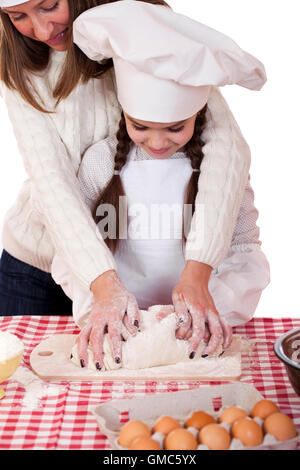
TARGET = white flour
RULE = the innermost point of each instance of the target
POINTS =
(35, 388)
(10, 345)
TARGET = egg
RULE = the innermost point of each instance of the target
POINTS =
(280, 426)
(199, 419)
(131, 430)
(166, 424)
(247, 431)
(180, 439)
(231, 414)
(263, 408)
(215, 437)
(144, 443)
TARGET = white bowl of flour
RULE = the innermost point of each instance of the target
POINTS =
(11, 352)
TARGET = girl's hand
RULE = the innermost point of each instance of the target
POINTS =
(113, 305)
(197, 317)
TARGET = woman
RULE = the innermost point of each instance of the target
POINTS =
(48, 85)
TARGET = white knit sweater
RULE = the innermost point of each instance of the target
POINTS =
(50, 215)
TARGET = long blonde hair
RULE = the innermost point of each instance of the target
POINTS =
(21, 56)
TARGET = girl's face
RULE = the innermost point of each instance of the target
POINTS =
(160, 140)
(42, 20)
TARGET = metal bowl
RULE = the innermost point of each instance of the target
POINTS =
(287, 349)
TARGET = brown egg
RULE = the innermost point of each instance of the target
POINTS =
(264, 408)
(180, 439)
(232, 414)
(131, 431)
(144, 443)
(166, 424)
(248, 431)
(199, 419)
(280, 426)
(215, 437)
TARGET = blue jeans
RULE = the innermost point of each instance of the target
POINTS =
(26, 290)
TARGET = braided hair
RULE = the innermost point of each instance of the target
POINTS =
(114, 189)
(194, 152)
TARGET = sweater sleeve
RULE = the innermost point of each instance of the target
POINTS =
(238, 282)
(94, 173)
(56, 193)
(223, 178)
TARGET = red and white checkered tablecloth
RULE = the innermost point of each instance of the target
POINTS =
(63, 421)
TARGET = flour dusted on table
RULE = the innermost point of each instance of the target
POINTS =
(10, 345)
(35, 388)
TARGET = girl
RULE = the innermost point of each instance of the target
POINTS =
(154, 160)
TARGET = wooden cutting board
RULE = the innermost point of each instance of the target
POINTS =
(50, 360)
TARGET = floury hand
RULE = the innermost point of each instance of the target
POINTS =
(113, 306)
(197, 316)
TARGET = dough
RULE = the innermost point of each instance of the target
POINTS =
(154, 345)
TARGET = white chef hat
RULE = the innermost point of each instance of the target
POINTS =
(165, 63)
(11, 3)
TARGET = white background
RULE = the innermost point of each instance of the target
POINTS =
(269, 120)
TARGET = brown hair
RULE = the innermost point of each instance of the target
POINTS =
(114, 189)
(21, 56)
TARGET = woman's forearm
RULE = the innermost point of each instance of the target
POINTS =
(223, 178)
(56, 194)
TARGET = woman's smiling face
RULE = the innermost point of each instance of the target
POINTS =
(42, 20)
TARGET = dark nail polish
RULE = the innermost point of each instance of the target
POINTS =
(204, 355)
(98, 365)
(136, 323)
(117, 359)
(192, 355)
(82, 363)
(71, 356)
(221, 353)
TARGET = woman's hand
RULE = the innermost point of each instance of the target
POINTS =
(113, 305)
(197, 317)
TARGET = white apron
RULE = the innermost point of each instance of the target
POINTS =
(151, 260)
(150, 268)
